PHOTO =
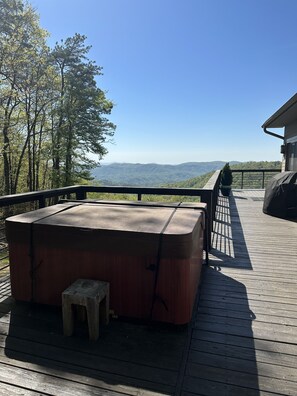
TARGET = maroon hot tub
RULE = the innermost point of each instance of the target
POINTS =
(150, 253)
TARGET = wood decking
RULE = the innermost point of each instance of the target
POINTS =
(242, 339)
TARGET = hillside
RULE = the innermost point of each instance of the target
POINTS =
(250, 180)
(195, 182)
(257, 165)
(152, 175)
(254, 180)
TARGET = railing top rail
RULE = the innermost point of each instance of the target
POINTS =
(207, 194)
(212, 182)
(36, 195)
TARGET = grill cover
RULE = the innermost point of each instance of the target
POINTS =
(281, 196)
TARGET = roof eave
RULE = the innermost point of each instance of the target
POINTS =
(274, 121)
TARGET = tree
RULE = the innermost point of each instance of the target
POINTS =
(52, 113)
(226, 178)
(22, 43)
(80, 113)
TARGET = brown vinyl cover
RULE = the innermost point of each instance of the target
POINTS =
(147, 251)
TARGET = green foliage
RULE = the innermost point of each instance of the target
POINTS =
(257, 165)
(52, 113)
(80, 127)
(144, 198)
(226, 177)
(254, 179)
(195, 182)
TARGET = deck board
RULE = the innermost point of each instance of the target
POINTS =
(242, 340)
(129, 358)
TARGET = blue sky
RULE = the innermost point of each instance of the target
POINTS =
(192, 80)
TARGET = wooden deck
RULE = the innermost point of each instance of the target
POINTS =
(244, 336)
(242, 339)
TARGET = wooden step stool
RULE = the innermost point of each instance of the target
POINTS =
(88, 293)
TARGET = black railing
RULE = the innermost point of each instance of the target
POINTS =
(252, 178)
(19, 203)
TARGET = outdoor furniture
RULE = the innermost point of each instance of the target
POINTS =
(87, 293)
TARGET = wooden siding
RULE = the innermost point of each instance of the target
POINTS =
(242, 339)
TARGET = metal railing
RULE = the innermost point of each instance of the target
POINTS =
(255, 178)
(19, 203)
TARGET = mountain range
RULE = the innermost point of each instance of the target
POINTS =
(128, 174)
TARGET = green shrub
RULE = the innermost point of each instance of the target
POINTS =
(226, 178)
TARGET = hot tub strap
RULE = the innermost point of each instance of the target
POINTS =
(157, 267)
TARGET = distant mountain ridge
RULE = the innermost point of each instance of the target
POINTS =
(128, 174)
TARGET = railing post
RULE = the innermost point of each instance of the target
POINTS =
(81, 194)
(206, 197)
(263, 179)
(138, 197)
(41, 202)
(242, 180)
(216, 194)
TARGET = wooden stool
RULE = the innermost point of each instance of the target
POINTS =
(88, 293)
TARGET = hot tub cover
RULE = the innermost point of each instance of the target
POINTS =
(150, 253)
(111, 226)
(281, 196)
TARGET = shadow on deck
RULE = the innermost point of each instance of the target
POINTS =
(129, 358)
(244, 336)
(242, 339)
(221, 358)
(228, 242)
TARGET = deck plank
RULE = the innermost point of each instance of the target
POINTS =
(242, 339)
(129, 358)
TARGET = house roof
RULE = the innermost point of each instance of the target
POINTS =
(283, 116)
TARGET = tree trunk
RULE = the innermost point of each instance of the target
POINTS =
(6, 161)
(68, 157)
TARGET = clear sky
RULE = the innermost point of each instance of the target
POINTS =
(192, 80)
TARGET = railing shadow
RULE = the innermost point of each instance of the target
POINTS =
(228, 242)
(222, 357)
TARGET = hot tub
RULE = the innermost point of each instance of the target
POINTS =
(150, 253)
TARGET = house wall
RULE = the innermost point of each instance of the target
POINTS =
(291, 147)
(291, 130)
(283, 163)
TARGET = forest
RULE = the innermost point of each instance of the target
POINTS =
(53, 116)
